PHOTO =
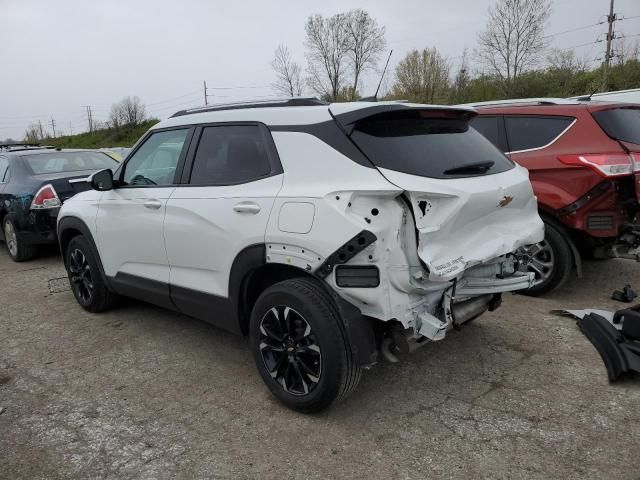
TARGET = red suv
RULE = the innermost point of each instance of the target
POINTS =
(583, 159)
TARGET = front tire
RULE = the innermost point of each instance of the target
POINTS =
(300, 346)
(87, 283)
(550, 260)
(18, 251)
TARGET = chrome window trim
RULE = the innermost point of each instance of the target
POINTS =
(544, 146)
(79, 180)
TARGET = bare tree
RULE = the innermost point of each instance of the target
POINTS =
(32, 134)
(625, 51)
(366, 42)
(129, 111)
(115, 115)
(514, 37)
(288, 73)
(422, 77)
(565, 61)
(461, 81)
(327, 45)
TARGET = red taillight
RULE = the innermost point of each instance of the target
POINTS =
(635, 157)
(605, 164)
(45, 198)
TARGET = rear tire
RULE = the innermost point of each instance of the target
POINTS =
(300, 346)
(87, 283)
(18, 251)
(560, 258)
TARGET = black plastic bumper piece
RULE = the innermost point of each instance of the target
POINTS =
(619, 353)
(346, 252)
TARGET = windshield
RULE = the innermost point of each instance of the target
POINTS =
(60, 162)
(620, 123)
(432, 144)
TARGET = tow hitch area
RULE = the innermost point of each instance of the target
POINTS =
(616, 336)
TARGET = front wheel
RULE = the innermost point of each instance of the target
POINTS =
(551, 261)
(300, 347)
(85, 278)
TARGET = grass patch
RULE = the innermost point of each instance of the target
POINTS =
(124, 136)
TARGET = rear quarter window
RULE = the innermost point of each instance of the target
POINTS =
(620, 123)
(428, 144)
(489, 127)
(529, 132)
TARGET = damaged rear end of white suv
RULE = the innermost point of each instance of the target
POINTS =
(416, 228)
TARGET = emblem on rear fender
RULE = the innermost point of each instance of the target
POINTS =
(506, 200)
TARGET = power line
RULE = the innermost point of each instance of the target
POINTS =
(174, 98)
(573, 30)
(581, 45)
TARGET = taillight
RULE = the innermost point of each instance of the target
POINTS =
(46, 197)
(605, 164)
(635, 157)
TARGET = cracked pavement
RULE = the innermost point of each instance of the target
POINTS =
(139, 392)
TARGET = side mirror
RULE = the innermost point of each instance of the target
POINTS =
(102, 180)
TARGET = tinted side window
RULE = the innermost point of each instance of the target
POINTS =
(620, 123)
(4, 169)
(524, 132)
(488, 127)
(229, 155)
(155, 162)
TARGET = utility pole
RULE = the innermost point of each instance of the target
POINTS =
(40, 129)
(89, 117)
(70, 128)
(611, 18)
(53, 127)
(205, 93)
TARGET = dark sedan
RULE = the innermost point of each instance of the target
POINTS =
(34, 182)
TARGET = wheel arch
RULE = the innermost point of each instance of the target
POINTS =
(251, 275)
(70, 227)
(577, 258)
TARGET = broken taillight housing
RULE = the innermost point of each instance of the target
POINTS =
(605, 164)
(46, 197)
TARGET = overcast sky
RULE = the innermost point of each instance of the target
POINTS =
(57, 56)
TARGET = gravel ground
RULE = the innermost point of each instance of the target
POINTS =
(139, 392)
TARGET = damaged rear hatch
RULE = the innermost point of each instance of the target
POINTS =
(470, 202)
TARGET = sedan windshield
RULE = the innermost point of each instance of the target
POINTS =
(59, 162)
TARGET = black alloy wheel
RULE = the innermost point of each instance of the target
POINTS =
(300, 345)
(81, 277)
(290, 350)
(85, 277)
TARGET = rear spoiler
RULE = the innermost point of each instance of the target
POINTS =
(349, 119)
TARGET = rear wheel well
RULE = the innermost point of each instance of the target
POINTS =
(257, 281)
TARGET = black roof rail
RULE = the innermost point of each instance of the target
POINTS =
(287, 102)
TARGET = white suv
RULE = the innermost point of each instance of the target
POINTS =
(329, 233)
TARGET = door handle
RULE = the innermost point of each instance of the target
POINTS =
(153, 204)
(247, 207)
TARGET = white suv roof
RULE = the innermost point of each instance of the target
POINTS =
(289, 111)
